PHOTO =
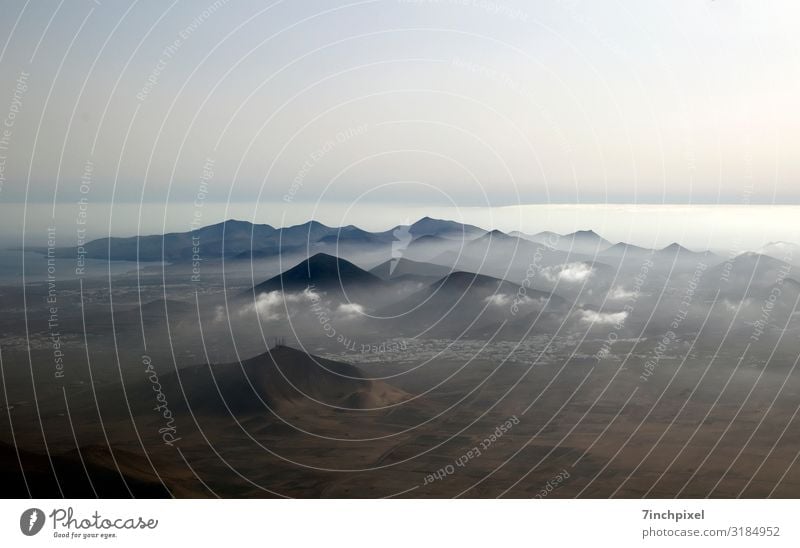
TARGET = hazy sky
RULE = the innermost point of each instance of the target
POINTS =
(465, 102)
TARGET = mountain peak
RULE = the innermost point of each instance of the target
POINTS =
(675, 247)
(312, 224)
(233, 225)
(583, 241)
(284, 377)
(495, 236)
(584, 234)
(323, 271)
(428, 222)
(324, 258)
(624, 246)
(428, 226)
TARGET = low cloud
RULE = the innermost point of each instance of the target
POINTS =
(569, 273)
(273, 305)
(603, 318)
(733, 307)
(350, 311)
(620, 293)
(219, 313)
(499, 299)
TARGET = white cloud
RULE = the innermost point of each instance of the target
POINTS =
(620, 293)
(268, 305)
(350, 311)
(273, 305)
(219, 313)
(499, 299)
(569, 273)
(731, 307)
(603, 318)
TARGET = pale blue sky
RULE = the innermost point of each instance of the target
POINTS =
(466, 102)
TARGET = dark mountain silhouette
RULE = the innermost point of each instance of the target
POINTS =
(546, 238)
(467, 281)
(538, 237)
(500, 255)
(235, 239)
(281, 378)
(498, 235)
(449, 306)
(497, 240)
(583, 241)
(675, 247)
(356, 237)
(678, 252)
(497, 243)
(451, 288)
(308, 237)
(312, 233)
(292, 238)
(91, 474)
(444, 229)
(226, 239)
(230, 239)
(324, 272)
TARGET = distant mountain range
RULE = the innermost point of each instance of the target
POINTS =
(235, 239)
(443, 242)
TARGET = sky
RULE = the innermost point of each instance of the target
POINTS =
(407, 104)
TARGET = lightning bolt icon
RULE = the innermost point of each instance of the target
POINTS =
(34, 516)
